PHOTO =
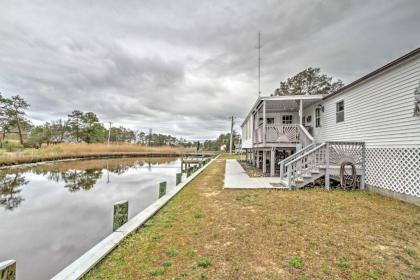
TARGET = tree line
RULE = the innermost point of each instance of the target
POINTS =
(76, 128)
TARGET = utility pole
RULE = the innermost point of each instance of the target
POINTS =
(259, 63)
(231, 135)
(109, 132)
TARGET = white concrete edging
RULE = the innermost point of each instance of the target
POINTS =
(83, 264)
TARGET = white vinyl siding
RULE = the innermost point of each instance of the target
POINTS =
(378, 111)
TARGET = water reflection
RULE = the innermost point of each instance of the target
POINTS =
(10, 188)
(77, 175)
(63, 209)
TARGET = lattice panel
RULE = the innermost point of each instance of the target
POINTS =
(394, 169)
(346, 152)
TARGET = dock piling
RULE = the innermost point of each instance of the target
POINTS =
(120, 216)
(162, 189)
(178, 178)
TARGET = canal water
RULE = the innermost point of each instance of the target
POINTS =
(51, 214)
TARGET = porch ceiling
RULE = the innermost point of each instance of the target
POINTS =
(273, 106)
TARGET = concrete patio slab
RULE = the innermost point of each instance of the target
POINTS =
(236, 178)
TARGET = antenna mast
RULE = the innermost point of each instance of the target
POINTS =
(259, 63)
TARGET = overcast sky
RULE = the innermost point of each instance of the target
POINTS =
(183, 67)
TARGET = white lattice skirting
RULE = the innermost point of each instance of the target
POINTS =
(394, 169)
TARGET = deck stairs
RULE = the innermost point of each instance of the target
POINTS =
(303, 167)
(321, 160)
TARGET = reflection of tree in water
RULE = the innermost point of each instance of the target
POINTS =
(10, 188)
(80, 179)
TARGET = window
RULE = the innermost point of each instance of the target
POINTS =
(287, 119)
(268, 120)
(339, 112)
(318, 117)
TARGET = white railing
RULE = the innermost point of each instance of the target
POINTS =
(326, 155)
(277, 133)
(305, 164)
(292, 157)
(258, 135)
(304, 137)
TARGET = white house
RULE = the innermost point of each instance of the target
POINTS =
(372, 124)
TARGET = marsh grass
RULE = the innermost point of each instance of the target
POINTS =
(253, 234)
(63, 151)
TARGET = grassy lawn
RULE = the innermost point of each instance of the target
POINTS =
(207, 232)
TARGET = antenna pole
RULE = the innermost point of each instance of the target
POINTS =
(259, 63)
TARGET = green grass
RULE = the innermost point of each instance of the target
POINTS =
(207, 232)
(296, 262)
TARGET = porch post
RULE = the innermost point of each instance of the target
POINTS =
(264, 123)
(301, 112)
(272, 162)
(264, 160)
(258, 159)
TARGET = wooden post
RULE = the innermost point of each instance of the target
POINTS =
(301, 112)
(272, 162)
(162, 189)
(264, 161)
(281, 170)
(264, 124)
(120, 216)
(289, 178)
(362, 177)
(178, 178)
(327, 166)
(258, 159)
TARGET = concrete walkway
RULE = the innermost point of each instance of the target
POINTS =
(236, 178)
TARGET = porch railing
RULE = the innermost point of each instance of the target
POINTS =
(285, 133)
(324, 155)
(277, 133)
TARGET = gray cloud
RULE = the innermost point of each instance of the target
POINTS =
(183, 67)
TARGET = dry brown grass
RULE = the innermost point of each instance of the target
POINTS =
(63, 151)
(270, 234)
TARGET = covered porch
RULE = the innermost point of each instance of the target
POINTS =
(278, 130)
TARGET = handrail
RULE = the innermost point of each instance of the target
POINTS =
(289, 165)
(292, 157)
(307, 134)
(302, 156)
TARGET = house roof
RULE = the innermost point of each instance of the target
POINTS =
(309, 98)
(352, 84)
(376, 72)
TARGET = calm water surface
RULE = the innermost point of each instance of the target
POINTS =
(51, 214)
